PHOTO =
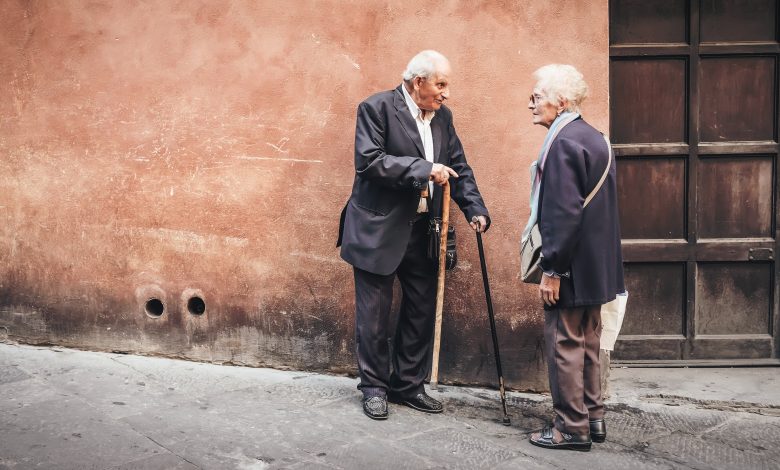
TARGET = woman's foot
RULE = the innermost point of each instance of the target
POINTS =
(598, 430)
(551, 438)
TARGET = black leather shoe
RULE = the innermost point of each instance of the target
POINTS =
(375, 407)
(547, 440)
(420, 402)
(598, 430)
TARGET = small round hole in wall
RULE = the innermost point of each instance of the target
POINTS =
(196, 306)
(154, 308)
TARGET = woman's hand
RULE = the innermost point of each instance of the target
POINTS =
(549, 289)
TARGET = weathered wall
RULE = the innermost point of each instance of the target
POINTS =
(168, 149)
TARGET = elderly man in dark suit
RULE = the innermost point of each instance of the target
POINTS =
(581, 259)
(405, 144)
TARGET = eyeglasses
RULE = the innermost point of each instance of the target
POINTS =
(536, 99)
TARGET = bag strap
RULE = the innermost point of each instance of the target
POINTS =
(429, 201)
(603, 177)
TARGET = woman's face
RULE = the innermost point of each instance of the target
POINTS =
(544, 112)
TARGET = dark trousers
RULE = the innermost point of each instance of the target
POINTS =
(414, 331)
(572, 338)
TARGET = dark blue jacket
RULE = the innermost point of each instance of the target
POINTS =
(390, 171)
(582, 242)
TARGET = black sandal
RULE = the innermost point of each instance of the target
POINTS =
(580, 442)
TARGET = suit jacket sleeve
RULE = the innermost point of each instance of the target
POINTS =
(464, 190)
(563, 183)
(374, 164)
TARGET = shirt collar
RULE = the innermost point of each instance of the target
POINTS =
(413, 108)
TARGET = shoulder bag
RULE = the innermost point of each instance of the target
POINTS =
(434, 240)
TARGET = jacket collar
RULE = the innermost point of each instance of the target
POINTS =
(410, 126)
(404, 115)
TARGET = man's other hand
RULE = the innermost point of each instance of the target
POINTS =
(440, 174)
(479, 223)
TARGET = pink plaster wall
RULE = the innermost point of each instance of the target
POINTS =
(165, 148)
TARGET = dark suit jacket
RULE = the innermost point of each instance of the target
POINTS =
(390, 171)
(584, 242)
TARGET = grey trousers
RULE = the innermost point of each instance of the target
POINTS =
(572, 338)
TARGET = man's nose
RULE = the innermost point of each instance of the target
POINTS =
(445, 93)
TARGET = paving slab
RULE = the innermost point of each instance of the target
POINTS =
(749, 434)
(68, 434)
(758, 385)
(166, 461)
(699, 453)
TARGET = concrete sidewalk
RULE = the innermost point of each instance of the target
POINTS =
(68, 409)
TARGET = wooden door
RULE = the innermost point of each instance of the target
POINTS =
(694, 120)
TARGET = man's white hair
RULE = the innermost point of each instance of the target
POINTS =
(423, 65)
(562, 82)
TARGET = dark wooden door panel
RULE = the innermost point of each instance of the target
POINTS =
(647, 100)
(738, 20)
(652, 197)
(735, 197)
(643, 348)
(694, 115)
(642, 22)
(657, 299)
(721, 347)
(733, 249)
(738, 96)
(734, 298)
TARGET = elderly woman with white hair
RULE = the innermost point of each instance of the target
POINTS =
(574, 207)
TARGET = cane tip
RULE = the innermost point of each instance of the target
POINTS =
(506, 421)
(434, 385)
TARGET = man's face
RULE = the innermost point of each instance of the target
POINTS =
(432, 92)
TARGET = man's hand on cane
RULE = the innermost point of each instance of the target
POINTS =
(440, 173)
(479, 223)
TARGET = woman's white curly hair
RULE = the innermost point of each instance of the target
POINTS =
(560, 82)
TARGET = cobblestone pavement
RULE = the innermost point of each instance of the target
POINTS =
(68, 409)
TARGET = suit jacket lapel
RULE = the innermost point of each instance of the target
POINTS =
(436, 133)
(405, 116)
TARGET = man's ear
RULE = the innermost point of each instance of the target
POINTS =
(417, 82)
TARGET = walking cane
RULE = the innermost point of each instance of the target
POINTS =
(445, 220)
(505, 419)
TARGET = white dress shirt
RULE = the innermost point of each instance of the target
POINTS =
(424, 127)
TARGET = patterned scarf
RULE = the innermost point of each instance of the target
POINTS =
(537, 167)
